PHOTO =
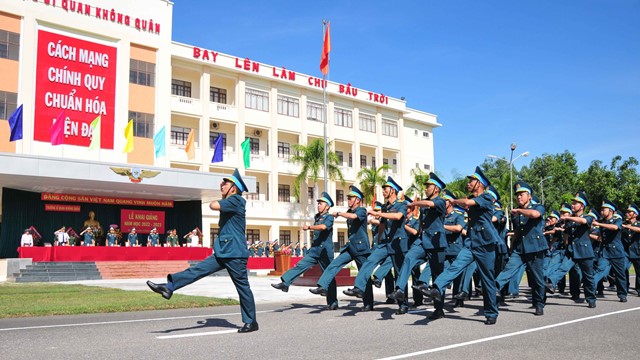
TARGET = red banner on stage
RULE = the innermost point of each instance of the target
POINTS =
(105, 200)
(142, 220)
(61, 208)
(76, 77)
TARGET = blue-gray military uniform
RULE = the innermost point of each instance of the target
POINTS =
(89, 237)
(321, 252)
(613, 256)
(229, 252)
(383, 272)
(357, 249)
(632, 241)
(431, 245)
(111, 239)
(483, 238)
(392, 243)
(133, 239)
(153, 239)
(529, 247)
(579, 252)
(454, 240)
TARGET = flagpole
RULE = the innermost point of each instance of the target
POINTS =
(324, 107)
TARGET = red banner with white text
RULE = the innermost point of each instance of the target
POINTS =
(142, 220)
(77, 77)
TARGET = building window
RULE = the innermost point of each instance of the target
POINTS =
(283, 193)
(363, 161)
(285, 237)
(373, 162)
(179, 135)
(142, 124)
(255, 195)
(8, 104)
(385, 161)
(256, 99)
(212, 139)
(288, 106)
(340, 155)
(341, 242)
(310, 195)
(389, 128)
(415, 132)
(142, 73)
(367, 123)
(283, 150)
(214, 235)
(394, 162)
(180, 88)
(253, 236)
(255, 146)
(343, 117)
(339, 197)
(315, 111)
(350, 160)
(427, 167)
(9, 45)
(425, 134)
(218, 95)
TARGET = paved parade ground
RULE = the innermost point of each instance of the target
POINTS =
(294, 326)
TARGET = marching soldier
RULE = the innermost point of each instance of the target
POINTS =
(357, 249)
(230, 252)
(580, 250)
(321, 251)
(613, 256)
(392, 242)
(528, 245)
(430, 246)
(631, 231)
(483, 237)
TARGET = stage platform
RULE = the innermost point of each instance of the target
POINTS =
(133, 254)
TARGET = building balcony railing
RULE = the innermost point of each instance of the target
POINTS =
(186, 105)
(222, 111)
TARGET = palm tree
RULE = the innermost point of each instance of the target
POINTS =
(417, 187)
(311, 157)
(369, 178)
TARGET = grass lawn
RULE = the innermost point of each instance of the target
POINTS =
(41, 299)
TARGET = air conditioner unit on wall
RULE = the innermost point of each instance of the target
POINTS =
(215, 125)
(257, 133)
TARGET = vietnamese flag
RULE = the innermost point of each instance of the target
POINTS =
(373, 201)
(326, 49)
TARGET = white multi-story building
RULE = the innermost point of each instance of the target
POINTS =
(76, 60)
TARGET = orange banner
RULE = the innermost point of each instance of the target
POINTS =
(91, 199)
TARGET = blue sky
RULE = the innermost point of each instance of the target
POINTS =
(548, 75)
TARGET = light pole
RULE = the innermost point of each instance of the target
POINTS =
(510, 162)
(542, 188)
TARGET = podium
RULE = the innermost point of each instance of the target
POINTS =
(282, 263)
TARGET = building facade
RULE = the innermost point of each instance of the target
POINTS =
(78, 61)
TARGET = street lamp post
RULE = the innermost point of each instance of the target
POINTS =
(542, 188)
(510, 162)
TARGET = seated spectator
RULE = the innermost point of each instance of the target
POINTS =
(27, 238)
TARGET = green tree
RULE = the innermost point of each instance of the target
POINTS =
(497, 170)
(369, 178)
(619, 182)
(552, 176)
(417, 186)
(311, 158)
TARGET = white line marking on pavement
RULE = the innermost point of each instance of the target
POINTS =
(197, 334)
(129, 321)
(497, 337)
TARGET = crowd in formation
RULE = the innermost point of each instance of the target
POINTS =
(456, 239)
